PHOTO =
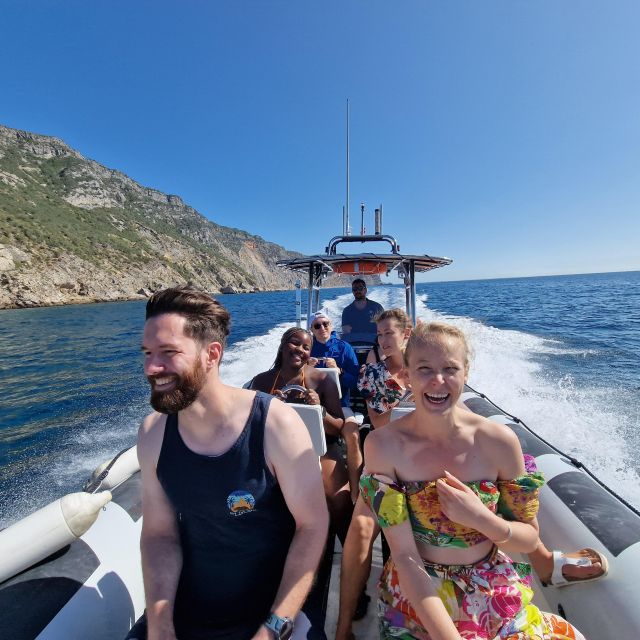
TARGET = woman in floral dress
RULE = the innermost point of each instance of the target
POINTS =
(451, 492)
(382, 380)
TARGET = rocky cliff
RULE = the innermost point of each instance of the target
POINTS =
(72, 230)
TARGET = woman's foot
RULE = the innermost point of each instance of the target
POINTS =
(561, 569)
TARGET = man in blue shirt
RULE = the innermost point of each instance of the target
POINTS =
(329, 351)
(357, 318)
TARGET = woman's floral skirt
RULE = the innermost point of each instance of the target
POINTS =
(490, 599)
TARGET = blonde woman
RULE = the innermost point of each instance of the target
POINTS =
(451, 492)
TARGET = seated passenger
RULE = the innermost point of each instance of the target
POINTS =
(328, 350)
(383, 380)
(358, 317)
(449, 487)
(290, 368)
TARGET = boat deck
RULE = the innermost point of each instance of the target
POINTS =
(367, 628)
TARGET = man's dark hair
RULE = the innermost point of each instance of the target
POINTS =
(359, 281)
(206, 320)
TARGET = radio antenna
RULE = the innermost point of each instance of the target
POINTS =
(346, 216)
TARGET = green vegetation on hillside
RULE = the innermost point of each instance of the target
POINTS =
(35, 217)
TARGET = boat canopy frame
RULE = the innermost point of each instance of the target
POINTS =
(318, 267)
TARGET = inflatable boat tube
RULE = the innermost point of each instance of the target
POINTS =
(88, 587)
(114, 472)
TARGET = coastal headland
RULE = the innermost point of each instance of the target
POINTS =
(74, 231)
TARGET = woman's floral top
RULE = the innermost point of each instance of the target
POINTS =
(418, 502)
(379, 387)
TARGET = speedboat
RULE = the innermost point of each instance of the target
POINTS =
(72, 569)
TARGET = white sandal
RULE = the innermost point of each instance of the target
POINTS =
(560, 560)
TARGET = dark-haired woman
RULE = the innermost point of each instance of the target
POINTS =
(383, 380)
(290, 368)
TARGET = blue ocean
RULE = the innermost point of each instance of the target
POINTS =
(561, 352)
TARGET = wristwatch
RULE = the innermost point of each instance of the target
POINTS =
(281, 627)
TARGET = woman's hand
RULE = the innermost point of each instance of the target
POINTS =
(311, 397)
(458, 502)
(331, 363)
(313, 362)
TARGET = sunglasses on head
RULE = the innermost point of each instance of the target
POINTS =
(320, 325)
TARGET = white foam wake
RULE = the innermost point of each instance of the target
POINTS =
(246, 358)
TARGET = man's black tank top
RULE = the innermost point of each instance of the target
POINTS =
(235, 531)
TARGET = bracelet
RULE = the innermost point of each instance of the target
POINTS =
(324, 412)
(507, 538)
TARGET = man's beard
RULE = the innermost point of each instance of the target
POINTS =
(186, 390)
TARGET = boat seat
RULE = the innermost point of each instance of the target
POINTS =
(335, 375)
(398, 412)
(311, 415)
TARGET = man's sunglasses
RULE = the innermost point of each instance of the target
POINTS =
(320, 325)
(360, 288)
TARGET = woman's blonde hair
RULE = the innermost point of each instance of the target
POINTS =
(403, 320)
(428, 332)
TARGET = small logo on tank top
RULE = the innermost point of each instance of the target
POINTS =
(240, 502)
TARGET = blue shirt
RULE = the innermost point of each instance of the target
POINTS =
(345, 358)
(363, 328)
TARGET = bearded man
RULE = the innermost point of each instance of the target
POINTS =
(358, 324)
(234, 515)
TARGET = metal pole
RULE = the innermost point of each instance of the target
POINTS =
(298, 303)
(407, 293)
(346, 230)
(412, 276)
(310, 295)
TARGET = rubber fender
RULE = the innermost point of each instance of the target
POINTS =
(47, 530)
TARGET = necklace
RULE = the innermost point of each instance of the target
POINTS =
(275, 382)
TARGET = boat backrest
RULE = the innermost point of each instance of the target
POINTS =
(334, 374)
(398, 412)
(311, 415)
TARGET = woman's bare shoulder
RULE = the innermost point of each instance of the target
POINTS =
(493, 430)
(380, 452)
(262, 381)
(391, 435)
(502, 444)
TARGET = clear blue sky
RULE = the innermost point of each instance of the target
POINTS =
(505, 135)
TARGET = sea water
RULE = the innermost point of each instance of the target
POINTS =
(562, 353)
